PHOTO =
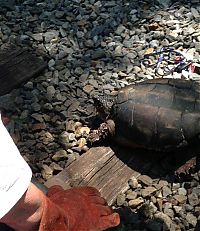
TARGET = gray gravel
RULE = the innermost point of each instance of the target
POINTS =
(93, 47)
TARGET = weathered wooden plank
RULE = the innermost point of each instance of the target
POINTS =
(107, 169)
(17, 65)
(100, 168)
(77, 170)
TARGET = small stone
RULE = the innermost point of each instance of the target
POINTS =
(180, 198)
(168, 210)
(48, 106)
(182, 191)
(154, 43)
(146, 180)
(131, 195)
(148, 209)
(38, 117)
(84, 130)
(198, 38)
(195, 13)
(29, 85)
(197, 46)
(159, 194)
(189, 31)
(175, 186)
(149, 51)
(51, 63)
(59, 14)
(133, 183)
(177, 209)
(63, 32)
(98, 54)
(37, 37)
(30, 143)
(172, 36)
(159, 204)
(65, 25)
(166, 219)
(51, 91)
(136, 202)
(166, 191)
(94, 83)
(38, 126)
(55, 167)
(196, 190)
(121, 199)
(88, 88)
(110, 3)
(193, 199)
(120, 29)
(153, 199)
(64, 140)
(78, 71)
(50, 35)
(70, 126)
(128, 43)
(71, 136)
(81, 131)
(196, 211)
(165, 3)
(188, 208)
(161, 184)
(76, 149)
(47, 172)
(36, 106)
(118, 51)
(77, 125)
(191, 219)
(47, 138)
(71, 157)
(60, 155)
(81, 142)
(146, 192)
(136, 69)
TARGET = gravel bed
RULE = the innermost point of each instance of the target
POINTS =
(95, 47)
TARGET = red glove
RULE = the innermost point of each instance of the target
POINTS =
(76, 209)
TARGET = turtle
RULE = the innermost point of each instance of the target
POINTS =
(158, 114)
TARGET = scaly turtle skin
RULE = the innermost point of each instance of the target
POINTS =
(159, 114)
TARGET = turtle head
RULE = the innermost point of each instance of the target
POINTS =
(103, 104)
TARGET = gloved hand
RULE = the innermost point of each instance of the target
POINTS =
(76, 209)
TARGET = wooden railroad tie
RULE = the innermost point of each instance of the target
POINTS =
(17, 65)
(99, 167)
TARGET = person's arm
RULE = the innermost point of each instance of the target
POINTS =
(27, 212)
(80, 208)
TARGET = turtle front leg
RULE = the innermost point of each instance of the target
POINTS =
(102, 132)
(187, 166)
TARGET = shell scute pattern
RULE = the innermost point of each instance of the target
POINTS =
(158, 114)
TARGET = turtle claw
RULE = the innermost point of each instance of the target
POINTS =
(184, 169)
(101, 133)
(93, 136)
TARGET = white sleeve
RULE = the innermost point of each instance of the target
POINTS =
(15, 174)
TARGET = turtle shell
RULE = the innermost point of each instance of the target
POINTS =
(158, 114)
